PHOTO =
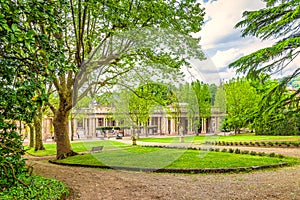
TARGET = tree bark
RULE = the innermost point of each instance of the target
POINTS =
(63, 145)
(38, 131)
(31, 135)
(72, 127)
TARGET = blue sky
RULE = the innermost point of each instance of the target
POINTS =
(222, 43)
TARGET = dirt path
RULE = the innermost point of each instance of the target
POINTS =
(90, 184)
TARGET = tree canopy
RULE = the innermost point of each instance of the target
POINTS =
(279, 20)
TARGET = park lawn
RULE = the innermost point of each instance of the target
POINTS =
(78, 147)
(153, 157)
(212, 138)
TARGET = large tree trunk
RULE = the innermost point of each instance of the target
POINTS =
(31, 135)
(38, 131)
(63, 145)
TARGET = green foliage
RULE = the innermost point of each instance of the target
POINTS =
(203, 96)
(27, 52)
(186, 95)
(220, 99)
(11, 150)
(272, 117)
(147, 96)
(241, 102)
(39, 189)
(277, 21)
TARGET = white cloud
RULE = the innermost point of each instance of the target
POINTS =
(222, 16)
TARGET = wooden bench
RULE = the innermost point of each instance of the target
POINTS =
(96, 149)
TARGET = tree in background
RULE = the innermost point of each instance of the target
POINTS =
(280, 21)
(275, 120)
(203, 101)
(241, 103)
(186, 95)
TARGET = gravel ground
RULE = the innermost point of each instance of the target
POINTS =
(90, 184)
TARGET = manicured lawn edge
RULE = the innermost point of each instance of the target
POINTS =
(178, 170)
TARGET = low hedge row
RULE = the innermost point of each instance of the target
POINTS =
(230, 150)
(257, 143)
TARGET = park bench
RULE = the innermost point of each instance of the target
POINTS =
(96, 149)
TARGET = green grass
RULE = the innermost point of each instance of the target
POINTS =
(152, 157)
(78, 147)
(231, 138)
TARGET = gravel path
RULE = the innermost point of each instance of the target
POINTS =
(89, 184)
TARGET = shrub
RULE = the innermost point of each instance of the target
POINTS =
(40, 189)
(261, 153)
(257, 143)
(270, 143)
(237, 151)
(280, 156)
(12, 165)
(245, 152)
(272, 155)
(217, 149)
(253, 153)
(230, 150)
(246, 143)
(224, 150)
(296, 144)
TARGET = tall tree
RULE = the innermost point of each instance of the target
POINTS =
(220, 99)
(241, 103)
(187, 95)
(203, 100)
(279, 20)
(106, 39)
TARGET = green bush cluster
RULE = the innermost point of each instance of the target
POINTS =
(286, 125)
(39, 188)
(238, 151)
(12, 165)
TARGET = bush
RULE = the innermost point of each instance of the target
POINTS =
(270, 143)
(280, 156)
(272, 155)
(39, 189)
(245, 152)
(224, 150)
(12, 165)
(261, 153)
(237, 151)
(230, 150)
(296, 144)
(253, 153)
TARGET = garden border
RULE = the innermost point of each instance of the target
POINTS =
(178, 170)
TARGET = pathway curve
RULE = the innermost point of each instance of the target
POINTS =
(94, 184)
